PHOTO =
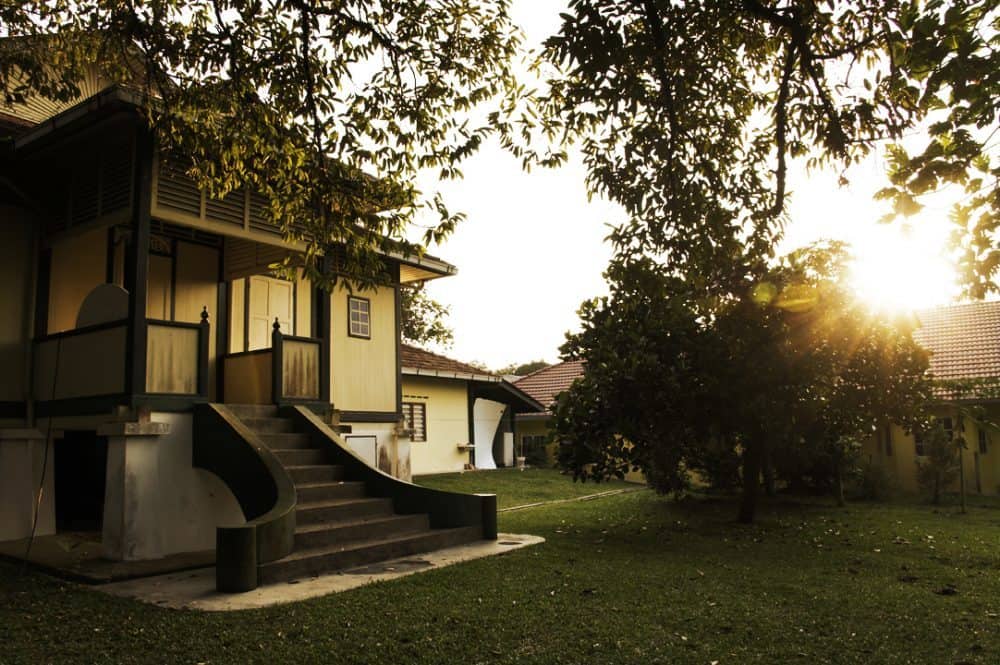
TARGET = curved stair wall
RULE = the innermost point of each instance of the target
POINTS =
(445, 509)
(223, 445)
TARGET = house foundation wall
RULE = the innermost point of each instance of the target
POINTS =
(25, 477)
(156, 502)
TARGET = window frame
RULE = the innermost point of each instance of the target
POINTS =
(368, 313)
(408, 420)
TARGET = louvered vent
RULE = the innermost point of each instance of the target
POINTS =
(84, 207)
(243, 258)
(177, 191)
(116, 178)
(229, 209)
(259, 215)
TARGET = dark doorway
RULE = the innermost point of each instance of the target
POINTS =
(80, 473)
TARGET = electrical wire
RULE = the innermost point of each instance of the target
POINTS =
(45, 457)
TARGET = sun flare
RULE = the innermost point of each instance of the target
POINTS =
(902, 269)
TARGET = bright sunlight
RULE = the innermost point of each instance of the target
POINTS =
(904, 268)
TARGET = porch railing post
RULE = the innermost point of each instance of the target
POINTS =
(277, 365)
(203, 341)
(323, 302)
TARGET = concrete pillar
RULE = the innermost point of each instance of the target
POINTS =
(133, 493)
(22, 458)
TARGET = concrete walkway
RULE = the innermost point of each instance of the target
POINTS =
(195, 589)
(589, 497)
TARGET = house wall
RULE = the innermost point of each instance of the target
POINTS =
(363, 373)
(156, 503)
(15, 275)
(447, 417)
(380, 446)
(901, 464)
(535, 427)
(78, 264)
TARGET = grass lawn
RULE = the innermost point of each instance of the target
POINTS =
(628, 578)
(517, 488)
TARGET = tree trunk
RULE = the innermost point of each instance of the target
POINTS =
(937, 489)
(751, 480)
(838, 484)
(768, 470)
(961, 477)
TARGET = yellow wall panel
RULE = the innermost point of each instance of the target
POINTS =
(79, 264)
(447, 418)
(363, 371)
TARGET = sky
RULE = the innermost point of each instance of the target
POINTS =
(532, 247)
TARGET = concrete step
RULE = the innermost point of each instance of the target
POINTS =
(300, 456)
(244, 411)
(318, 560)
(284, 440)
(316, 512)
(309, 492)
(373, 528)
(315, 473)
(270, 425)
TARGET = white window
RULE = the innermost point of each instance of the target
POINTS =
(359, 317)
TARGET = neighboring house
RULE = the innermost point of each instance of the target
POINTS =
(544, 386)
(459, 416)
(535, 429)
(964, 342)
(168, 383)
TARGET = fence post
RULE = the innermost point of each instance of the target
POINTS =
(277, 365)
(203, 342)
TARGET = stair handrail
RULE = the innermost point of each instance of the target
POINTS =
(445, 509)
(225, 446)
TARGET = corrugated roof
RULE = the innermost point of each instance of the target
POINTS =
(412, 357)
(546, 383)
(964, 341)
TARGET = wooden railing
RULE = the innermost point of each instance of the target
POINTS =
(295, 370)
(177, 357)
(84, 371)
(83, 363)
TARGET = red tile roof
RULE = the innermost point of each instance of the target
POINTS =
(414, 358)
(964, 341)
(546, 383)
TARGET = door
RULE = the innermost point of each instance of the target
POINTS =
(269, 299)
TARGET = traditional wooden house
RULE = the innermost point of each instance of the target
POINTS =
(459, 416)
(163, 388)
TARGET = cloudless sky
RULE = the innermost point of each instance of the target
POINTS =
(532, 248)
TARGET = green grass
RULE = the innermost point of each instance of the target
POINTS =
(628, 578)
(517, 488)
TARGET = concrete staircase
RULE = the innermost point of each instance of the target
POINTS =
(337, 524)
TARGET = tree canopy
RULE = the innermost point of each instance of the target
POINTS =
(329, 109)
(423, 319)
(689, 115)
(676, 381)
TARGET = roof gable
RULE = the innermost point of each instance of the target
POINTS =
(546, 383)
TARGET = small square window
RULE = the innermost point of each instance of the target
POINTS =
(415, 420)
(359, 317)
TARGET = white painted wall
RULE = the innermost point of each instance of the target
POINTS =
(486, 416)
(156, 503)
(21, 460)
(392, 453)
